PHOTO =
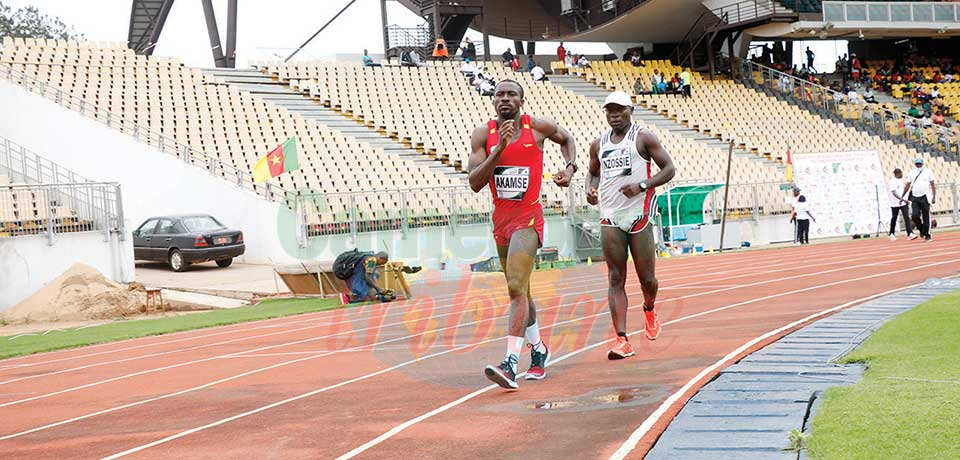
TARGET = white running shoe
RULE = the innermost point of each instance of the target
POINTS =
(912, 236)
(893, 237)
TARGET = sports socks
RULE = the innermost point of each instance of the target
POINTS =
(514, 346)
(532, 334)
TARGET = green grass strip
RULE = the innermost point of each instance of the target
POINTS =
(886, 417)
(129, 329)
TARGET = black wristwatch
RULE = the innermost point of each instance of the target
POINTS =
(644, 186)
(569, 164)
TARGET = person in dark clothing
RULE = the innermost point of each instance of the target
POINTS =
(507, 58)
(365, 279)
(810, 56)
(470, 50)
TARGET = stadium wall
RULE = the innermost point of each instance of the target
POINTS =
(30, 262)
(153, 183)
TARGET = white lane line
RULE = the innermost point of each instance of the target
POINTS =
(653, 418)
(395, 308)
(478, 392)
(397, 429)
(396, 313)
(320, 315)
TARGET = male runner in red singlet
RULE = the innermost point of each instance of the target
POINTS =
(621, 170)
(507, 155)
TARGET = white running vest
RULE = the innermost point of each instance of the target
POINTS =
(621, 164)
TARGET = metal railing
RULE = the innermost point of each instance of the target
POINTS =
(890, 124)
(22, 165)
(936, 12)
(242, 179)
(51, 209)
(404, 209)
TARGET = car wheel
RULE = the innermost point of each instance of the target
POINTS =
(224, 263)
(176, 261)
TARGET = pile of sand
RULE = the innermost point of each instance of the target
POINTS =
(80, 293)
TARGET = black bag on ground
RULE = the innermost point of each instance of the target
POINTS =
(344, 263)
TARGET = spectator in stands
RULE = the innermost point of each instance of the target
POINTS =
(638, 86)
(583, 62)
(368, 61)
(686, 80)
(855, 68)
(810, 56)
(852, 96)
(515, 64)
(676, 85)
(487, 86)
(507, 58)
(935, 93)
(561, 53)
(636, 59)
(469, 50)
(538, 73)
(914, 111)
(415, 59)
(468, 69)
(937, 118)
(531, 63)
(869, 97)
(655, 81)
(568, 61)
(406, 60)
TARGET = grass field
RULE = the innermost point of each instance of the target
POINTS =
(128, 329)
(886, 417)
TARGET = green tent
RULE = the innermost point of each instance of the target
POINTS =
(684, 203)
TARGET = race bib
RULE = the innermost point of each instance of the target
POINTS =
(614, 163)
(511, 182)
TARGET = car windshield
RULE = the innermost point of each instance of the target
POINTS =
(201, 224)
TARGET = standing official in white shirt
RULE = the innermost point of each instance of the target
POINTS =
(923, 193)
(897, 189)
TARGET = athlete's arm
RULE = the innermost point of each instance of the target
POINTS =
(549, 128)
(933, 189)
(480, 166)
(593, 173)
(648, 143)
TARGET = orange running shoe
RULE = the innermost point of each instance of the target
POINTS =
(621, 350)
(652, 327)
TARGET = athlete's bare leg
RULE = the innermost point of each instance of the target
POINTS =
(532, 311)
(615, 254)
(644, 251)
(518, 260)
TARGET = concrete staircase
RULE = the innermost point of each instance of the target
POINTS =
(649, 117)
(279, 93)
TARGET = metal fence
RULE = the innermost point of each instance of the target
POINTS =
(243, 179)
(51, 209)
(890, 124)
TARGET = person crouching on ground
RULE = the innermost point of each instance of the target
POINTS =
(363, 284)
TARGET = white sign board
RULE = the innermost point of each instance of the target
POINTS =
(846, 192)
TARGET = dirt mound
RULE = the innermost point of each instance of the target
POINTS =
(80, 293)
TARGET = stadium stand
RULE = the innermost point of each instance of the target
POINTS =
(215, 118)
(391, 98)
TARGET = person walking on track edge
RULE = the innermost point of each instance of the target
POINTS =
(507, 155)
(621, 180)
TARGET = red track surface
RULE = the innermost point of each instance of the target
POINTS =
(324, 384)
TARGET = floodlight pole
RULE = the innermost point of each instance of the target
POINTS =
(726, 194)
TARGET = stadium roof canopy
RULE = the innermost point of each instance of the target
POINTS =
(626, 21)
(146, 22)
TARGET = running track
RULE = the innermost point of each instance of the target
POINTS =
(405, 380)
